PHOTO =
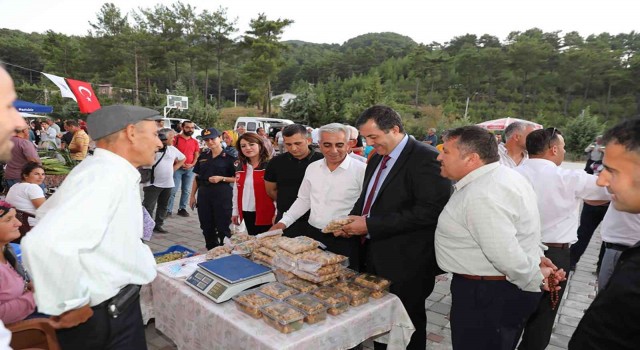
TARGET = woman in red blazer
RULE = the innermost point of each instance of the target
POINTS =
(250, 200)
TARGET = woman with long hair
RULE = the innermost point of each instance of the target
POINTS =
(16, 293)
(230, 138)
(27, 196)
(250, 200)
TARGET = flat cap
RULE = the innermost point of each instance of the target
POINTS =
(110, 119)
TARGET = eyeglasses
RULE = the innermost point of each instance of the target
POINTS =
(552, 135)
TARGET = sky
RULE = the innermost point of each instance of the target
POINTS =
(336, 21)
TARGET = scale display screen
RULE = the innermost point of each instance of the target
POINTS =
(216, 290)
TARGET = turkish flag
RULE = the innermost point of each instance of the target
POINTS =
(87, 99)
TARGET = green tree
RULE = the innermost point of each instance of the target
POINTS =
(580, 132)
(265, 59)
(216, 28)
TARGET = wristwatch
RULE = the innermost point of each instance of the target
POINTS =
(223, 179)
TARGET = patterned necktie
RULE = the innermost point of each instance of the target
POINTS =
(372, 193)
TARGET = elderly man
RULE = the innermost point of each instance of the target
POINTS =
(79, 145)
(285, 172)
(396, 214)
(340, 173)
(559, 193)
(611, 320)
(514, 151)
(86, 255)
(10, 121)
(488, 236)
(353, 142)
(23, 152)
(431, 138)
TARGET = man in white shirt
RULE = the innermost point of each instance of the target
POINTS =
(329, 189)
(559, 194)
(619, 231)
(611, 321)
(488, 236)
(158, 189)
(514, 151)
(86, 256)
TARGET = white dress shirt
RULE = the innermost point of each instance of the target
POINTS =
(506, 160)
(357, 157)
(491, 227)
(620, 227)
(248, 193)
(328, 194)
(87, 244)
(560, 192)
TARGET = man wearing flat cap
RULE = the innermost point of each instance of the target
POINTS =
(211, 191)
(86, 256)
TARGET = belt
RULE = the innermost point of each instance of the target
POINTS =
(615, 246)
(482, 278)
(119, 303)
(558, 245)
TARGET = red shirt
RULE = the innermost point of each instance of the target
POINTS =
(188, 147)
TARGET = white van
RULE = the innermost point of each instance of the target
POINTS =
(269, 124)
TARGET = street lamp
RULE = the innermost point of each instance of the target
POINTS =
(235, 97)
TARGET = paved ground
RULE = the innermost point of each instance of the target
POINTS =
(581, 288)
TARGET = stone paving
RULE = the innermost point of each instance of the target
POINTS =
(581, 289)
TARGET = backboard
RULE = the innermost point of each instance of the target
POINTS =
(178, 102)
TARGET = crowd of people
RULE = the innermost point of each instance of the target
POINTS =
(501, 217)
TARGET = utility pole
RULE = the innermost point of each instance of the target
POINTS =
(135, 53)
(235, 97)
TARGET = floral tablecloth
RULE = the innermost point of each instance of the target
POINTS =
(194, 322)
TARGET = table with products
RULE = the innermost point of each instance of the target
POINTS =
(193, 321)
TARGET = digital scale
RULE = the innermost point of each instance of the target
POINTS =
(221, 279)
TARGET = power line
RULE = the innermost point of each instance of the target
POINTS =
(113, 87)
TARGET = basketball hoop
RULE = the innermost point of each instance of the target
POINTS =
(180, 103)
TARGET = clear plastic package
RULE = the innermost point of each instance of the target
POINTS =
(300, 284)
(322, 257)
(315, 278)
(269, 234)
(346, 274)
(359, 295)
(336, 224)
(298, 244)
(283, 317)
(239, 238)
(372, 282)
(283, 275)
(267, 251)
(251, 301)
(271, 242)
(336, 301)
(314, 310)
(277, 290)
(218, 252)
